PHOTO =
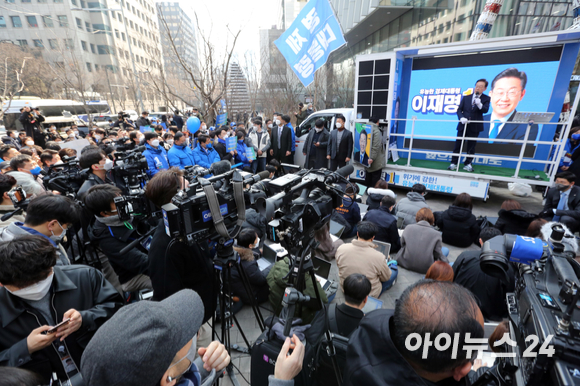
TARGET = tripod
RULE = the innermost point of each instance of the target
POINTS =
(225, 260)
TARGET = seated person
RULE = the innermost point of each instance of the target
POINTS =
(180, 154)
(535, 228)
(155, 154)
(408, 207)
(563, 202)
(204, 154)
(7, 182)
(386, 223)
(458, 225)
(35, 295)
(441, 271)
(357, 288)
(162, 338)
(98, 164)
(377, 353)
(421, 244)
(26, 172)
(168, 140)
(489, 290)
(247, 248)
(278, 281)
(376, 194)
(361, 256)
(112, 235)
(513, 219)
(350, 211)
(48, 216)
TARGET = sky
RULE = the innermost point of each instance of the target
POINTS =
(249, 15)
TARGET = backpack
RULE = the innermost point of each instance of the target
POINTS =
(325, 375)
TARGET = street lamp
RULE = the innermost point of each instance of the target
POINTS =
(128, 41)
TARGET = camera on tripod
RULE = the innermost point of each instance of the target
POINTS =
(66, 178)
(541, 310)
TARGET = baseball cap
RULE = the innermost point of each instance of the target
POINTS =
(136, 346)
(233, 124)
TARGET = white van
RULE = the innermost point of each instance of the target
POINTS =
(329, 118)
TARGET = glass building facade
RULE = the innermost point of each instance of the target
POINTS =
(425, 22)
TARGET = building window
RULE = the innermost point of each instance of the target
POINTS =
(113, 14)
(83, 5)
(68, 44)
(26, 1)
(131, 23)
(2, 22)
(22, 43)
(88, 26)
(79, 23)
(117, 33)
(73, 2)
(16, 23)
(38, 43)
(120, 17)
(47, 21)
(84, 46)
(10, 1)
(32, 21)
(58, 1)
(89, 67)
(105, 50)
(41, 1)
(53, 44)
(62, 21)
(93, 48)
(96, 67)
(123, 36)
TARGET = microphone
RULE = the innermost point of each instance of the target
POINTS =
(257, 177)
(344, 171)
(220, 167)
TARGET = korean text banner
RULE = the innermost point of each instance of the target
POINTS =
(308, 42)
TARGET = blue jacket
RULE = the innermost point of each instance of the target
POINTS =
(293, 136)
(205, 158)
(349, 211)
(387, 224)
(241, 156)
(180, 156)
(156, 159)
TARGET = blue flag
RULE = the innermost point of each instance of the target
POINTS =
(309, 41)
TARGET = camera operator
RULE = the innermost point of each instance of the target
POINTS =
(112, 235)
(7, 182)
(98, 163)
(7, 152)
(175, 265)
(137, 138)
(379, 354)
(154, 344)
(49, 158)
(122, 122)
(35, 295)
(155, 154)
(143, 120)
(26, 171)
(180, 154)
(28, 121)
(49, 216)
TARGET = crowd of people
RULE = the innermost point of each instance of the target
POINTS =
(60, 316)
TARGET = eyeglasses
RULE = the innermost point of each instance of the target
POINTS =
(512, 93)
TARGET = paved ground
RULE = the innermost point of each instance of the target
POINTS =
(437, 202)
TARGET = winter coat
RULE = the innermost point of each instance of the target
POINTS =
(362, 257)
(374, 197)
(179, 121)
(241, 157)
(111, 239)
(221, 148)
(11, 141)
(205, 157)
(301, 116)
(278, 281)
(459, 226)
(408, 207)
(320, 160)
(142, 122)
(377, 150)
(420, 247)
(28, 183)
(258, 223)
(17, 229)
(156, 159)
(350, 211)
(75, 286)
(514, 221)
(264, 144)
(5, 209)
(256, 277)
(180, 156)
(387, 227)
(326, 248)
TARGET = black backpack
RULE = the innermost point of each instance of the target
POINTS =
(325, 374)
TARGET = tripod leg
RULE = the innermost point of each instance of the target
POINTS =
(250, 293)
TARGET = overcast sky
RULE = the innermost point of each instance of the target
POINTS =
(250, 16)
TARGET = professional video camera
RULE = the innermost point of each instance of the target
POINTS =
(121, 144)
(541, 310)
(66, 178)
(18, 197)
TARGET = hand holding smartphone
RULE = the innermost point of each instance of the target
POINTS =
(53, 329)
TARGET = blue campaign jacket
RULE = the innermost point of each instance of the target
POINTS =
(156, 159)
(180, 156)
(241, 156)
(205, 159)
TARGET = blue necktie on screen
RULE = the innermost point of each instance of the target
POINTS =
(493, 135)
(561, 205)
(362, 156)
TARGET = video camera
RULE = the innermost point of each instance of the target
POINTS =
(541, 310)
(66, 178)
(121, 144)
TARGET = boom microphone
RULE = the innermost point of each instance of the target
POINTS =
(257, 177)
(344, 171)
(220, 167)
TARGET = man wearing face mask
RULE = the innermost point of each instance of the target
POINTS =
(26, 171)
(563, 202)
(180, 154)
(99, 165)
(156, 155)
(220, 147)
(315, 147)
(36, 295)
(281, 149)
(340, 145)
(112, 235)
(48, 216)
(205, 155)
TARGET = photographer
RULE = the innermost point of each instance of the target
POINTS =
(122, 121)
(35, 295)
(7, 182)
(205, 155)
(180, 154)
(49, 158)
(379, 354)
(175, 265)
(98, 164)
(112, 235)
(48, 216)
(156, 155)
(247, 244)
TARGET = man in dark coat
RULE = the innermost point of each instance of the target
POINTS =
(563, 201)
(340, 145)
(378, 354)
(315, 147)
(281, 148)
(35, 295)
(221, 147)
(386, 223)
(471, 108)
(28, 121)
(178, 120)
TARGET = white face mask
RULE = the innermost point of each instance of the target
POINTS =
(257, 242)
(317, 129)
(98, 137)
(186, 141)
(71, 135)
(270, 126)
(338, 125)
(189, 356)
(58, 239)
(278, 122)
(169, 141)
(29, 143)
(36, 291)
(155, 143)
(108, 164)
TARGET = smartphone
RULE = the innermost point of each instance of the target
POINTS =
(53, 329)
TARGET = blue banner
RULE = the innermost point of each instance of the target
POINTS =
(221, 119)
(309, 41)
